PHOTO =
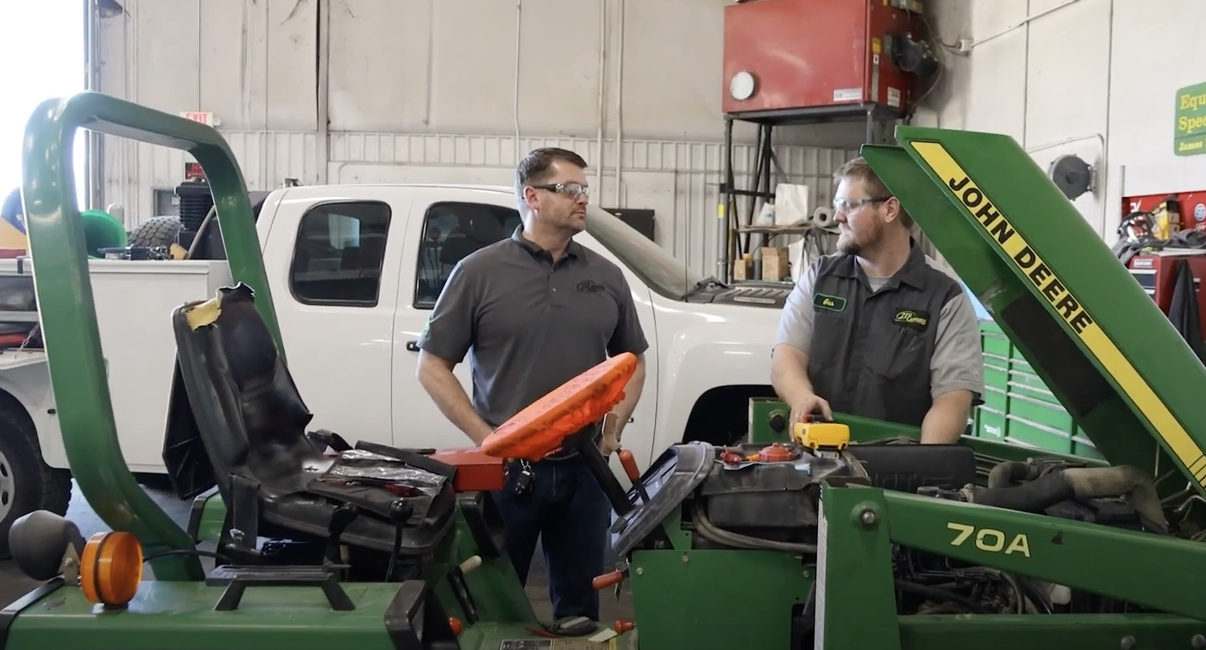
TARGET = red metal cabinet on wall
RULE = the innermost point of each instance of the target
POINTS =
(815, 53)
(1156, 273)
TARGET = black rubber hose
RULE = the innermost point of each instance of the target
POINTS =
(1035, 496)
(1036, 595)
(1080, 482)
(708, 530)
(941, 595)
(1009, 472)
(1121, 481)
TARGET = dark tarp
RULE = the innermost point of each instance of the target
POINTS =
(1183, 309)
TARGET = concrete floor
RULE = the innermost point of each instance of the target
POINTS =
(13, 584)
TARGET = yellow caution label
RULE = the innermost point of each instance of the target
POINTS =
(1061, 297)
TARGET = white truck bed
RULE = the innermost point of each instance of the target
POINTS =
(134, 303)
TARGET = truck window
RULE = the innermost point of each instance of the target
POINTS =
(339, 253)
(451, 231)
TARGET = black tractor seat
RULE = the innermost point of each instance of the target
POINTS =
(251, 422)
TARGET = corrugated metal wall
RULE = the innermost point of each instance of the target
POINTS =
(1112, 101)
(678, 180)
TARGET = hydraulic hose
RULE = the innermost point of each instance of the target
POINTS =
(708, 530)
(1009, 472)
(1085, 483)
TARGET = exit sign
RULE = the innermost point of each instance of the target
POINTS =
(203, 117)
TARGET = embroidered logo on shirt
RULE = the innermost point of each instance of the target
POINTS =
(589, 286)
(914, 318)
(828, 302)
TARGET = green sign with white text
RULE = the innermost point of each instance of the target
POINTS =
(1189, 138)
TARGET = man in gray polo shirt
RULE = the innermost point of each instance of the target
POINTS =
(879, 329)
(532, 312)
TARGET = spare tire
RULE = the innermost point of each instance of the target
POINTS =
(157, 231)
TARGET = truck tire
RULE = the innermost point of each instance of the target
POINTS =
(27, 483)
(157, 231)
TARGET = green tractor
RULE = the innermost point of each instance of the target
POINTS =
(844, 535)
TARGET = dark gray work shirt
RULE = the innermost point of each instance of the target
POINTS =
(529, 324)
(884, 348)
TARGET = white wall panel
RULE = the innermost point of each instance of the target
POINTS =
(1077, 77)
(426, 66)
(372, 90)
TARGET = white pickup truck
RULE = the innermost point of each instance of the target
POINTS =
(354, 271)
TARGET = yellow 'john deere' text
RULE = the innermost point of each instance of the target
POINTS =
(990, 540)
(1006, 237)
(1050, 286)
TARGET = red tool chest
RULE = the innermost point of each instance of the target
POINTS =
(1156, 272)
(816, 53)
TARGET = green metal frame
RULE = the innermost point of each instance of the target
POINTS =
(68, 312)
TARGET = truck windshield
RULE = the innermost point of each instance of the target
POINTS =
(663, 272)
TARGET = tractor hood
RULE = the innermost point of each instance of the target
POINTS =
(1103, 347)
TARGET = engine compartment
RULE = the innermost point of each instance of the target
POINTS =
(768, 497)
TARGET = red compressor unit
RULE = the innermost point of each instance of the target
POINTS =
(796, 55)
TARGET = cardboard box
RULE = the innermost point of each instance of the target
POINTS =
(743, 269)
(776, 265)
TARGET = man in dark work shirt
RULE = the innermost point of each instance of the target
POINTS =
(532, 312)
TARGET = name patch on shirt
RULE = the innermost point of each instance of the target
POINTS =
(828, 302)
(914, 318)
(590, 286)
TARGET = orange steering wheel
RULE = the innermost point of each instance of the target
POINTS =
(541, 428)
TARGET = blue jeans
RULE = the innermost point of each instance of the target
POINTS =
(568, 511)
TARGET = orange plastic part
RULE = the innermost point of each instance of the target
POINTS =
(456, 625)
(541, 428)
(475, 471)
(624, 626)
(607, 580)
(628, 462)
(111, 568)
(775, 453)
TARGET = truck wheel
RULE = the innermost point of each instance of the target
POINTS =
(27, 483)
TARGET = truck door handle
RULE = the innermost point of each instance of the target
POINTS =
(412, 346)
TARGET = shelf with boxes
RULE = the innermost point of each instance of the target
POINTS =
(772, 265)
(805, 63)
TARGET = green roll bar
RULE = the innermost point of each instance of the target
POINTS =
(68, 313)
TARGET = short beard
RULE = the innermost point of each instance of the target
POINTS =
(850, 247)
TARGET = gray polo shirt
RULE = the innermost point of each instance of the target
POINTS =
(529, 324)
(884, 347)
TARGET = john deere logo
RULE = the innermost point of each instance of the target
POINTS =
(912, 318)
(828, 302)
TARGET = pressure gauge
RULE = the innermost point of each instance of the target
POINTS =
(742, 86)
